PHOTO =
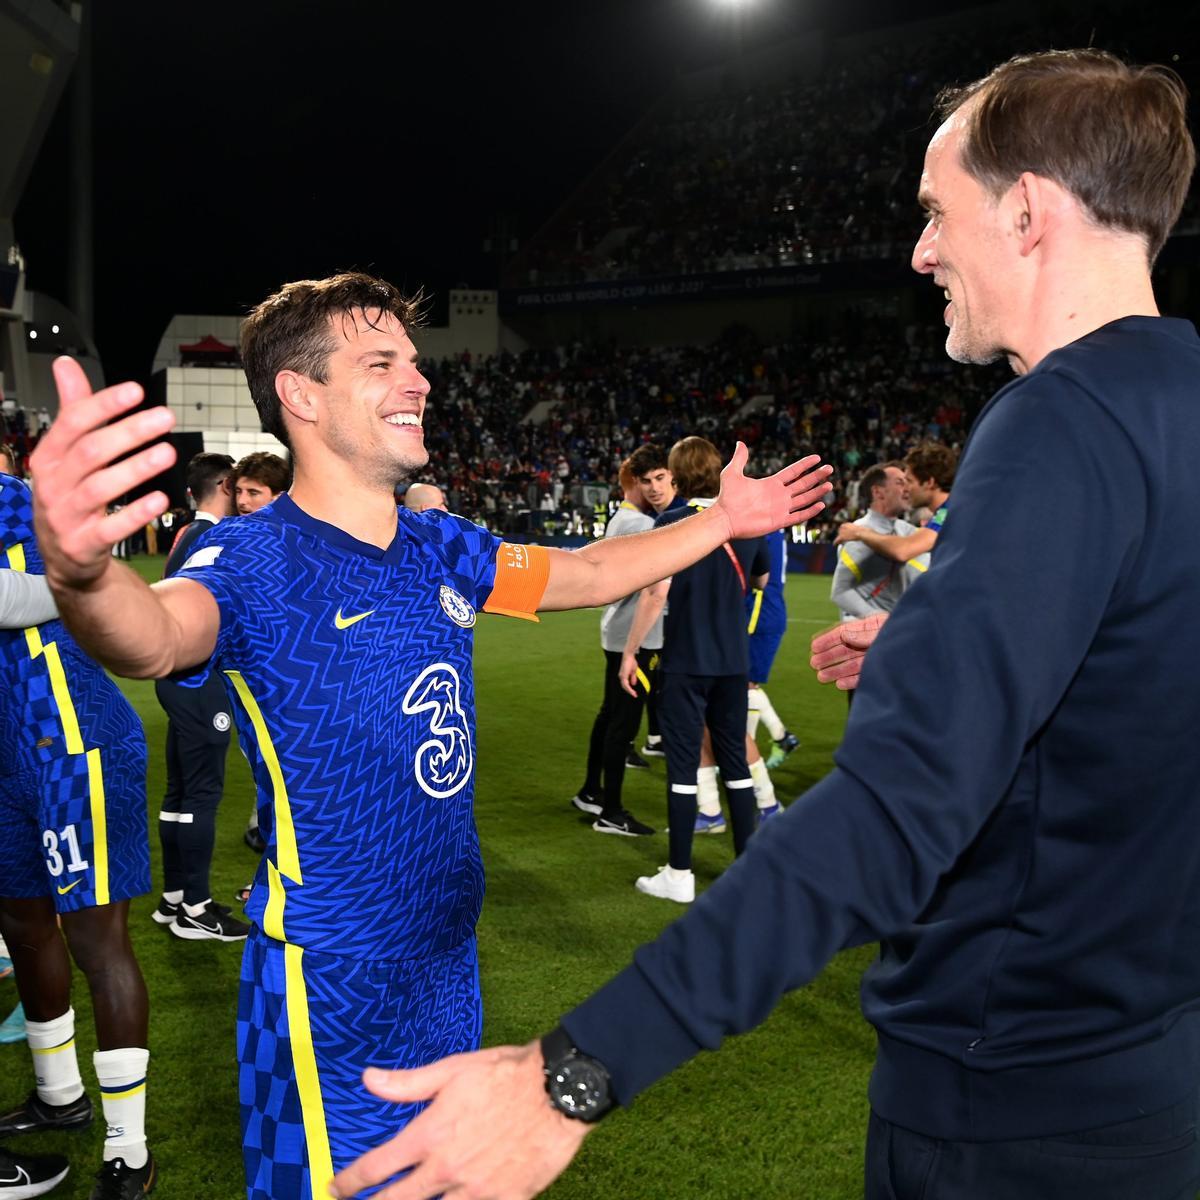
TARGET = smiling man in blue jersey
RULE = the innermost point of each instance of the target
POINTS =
(342, 627)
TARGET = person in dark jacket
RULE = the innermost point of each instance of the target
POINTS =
(702, 670)
(1013, 812)
(198, 729)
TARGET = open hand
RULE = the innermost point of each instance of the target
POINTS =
(76, 475)
(489, 1133)
(753, 507)
(838, 653)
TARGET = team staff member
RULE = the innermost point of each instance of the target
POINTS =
(1001, 816)
(702, 671)
(342, 627)
(863, 581)
(198, 730)
(74, 850)
(621, 712)
(929, 472)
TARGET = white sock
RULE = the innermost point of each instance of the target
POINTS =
(677, 874)
(751, 721)
(761, 703)
(175, 897)
(55, 1066)
(652, 739)
(708, 798)
(122, 1076)
(194, 910)
(764, 789)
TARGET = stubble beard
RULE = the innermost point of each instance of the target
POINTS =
(965, 346)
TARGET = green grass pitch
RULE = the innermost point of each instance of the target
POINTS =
(780, 1112)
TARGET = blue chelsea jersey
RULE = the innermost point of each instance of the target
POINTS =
(350, 670)
(57, 701)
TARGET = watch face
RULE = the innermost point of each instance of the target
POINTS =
(579, 1088)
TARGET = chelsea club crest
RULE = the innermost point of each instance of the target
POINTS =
(455, 607)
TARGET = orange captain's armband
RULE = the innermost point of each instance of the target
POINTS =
(521, 575)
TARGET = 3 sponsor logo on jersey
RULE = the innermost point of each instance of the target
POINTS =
(456, 607)
(443, 761)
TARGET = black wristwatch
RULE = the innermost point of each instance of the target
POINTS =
(578, 1086)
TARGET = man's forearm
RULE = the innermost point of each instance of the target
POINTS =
(620, 566)
(649, 606)
(900, 548)
(122, 624)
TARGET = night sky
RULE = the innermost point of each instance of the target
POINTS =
(240, 143)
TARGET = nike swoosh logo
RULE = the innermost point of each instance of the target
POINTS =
(341, 622)
(62, 891)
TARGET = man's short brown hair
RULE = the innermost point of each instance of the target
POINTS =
(1115, 136)
(273, 472)
(290, 331)
(932, 460)
(647, 458)
(696, 464)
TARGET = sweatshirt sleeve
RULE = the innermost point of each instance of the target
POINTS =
(25, 600)
(962, 676)
(846, 579)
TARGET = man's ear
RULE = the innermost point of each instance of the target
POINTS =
(1035, 201)
(296, 395)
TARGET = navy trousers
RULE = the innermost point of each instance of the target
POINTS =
(1155, 1157)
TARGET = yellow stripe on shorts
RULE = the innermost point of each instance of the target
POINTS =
(304, 1062)
(99, 825)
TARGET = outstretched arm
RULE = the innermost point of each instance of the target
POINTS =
(78, 470)
(898, 547)
(615, 567)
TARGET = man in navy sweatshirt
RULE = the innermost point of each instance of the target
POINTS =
(1014, 810)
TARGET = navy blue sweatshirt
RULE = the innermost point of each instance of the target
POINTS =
(1015, 810)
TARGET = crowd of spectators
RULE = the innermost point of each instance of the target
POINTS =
(813, 170)
(863, 395)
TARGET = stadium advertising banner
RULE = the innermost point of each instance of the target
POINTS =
(716, 285)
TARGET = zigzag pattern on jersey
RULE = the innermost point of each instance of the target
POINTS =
(385, 869)
(360, 1014)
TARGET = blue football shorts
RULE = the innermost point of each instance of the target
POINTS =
(309, 1023)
